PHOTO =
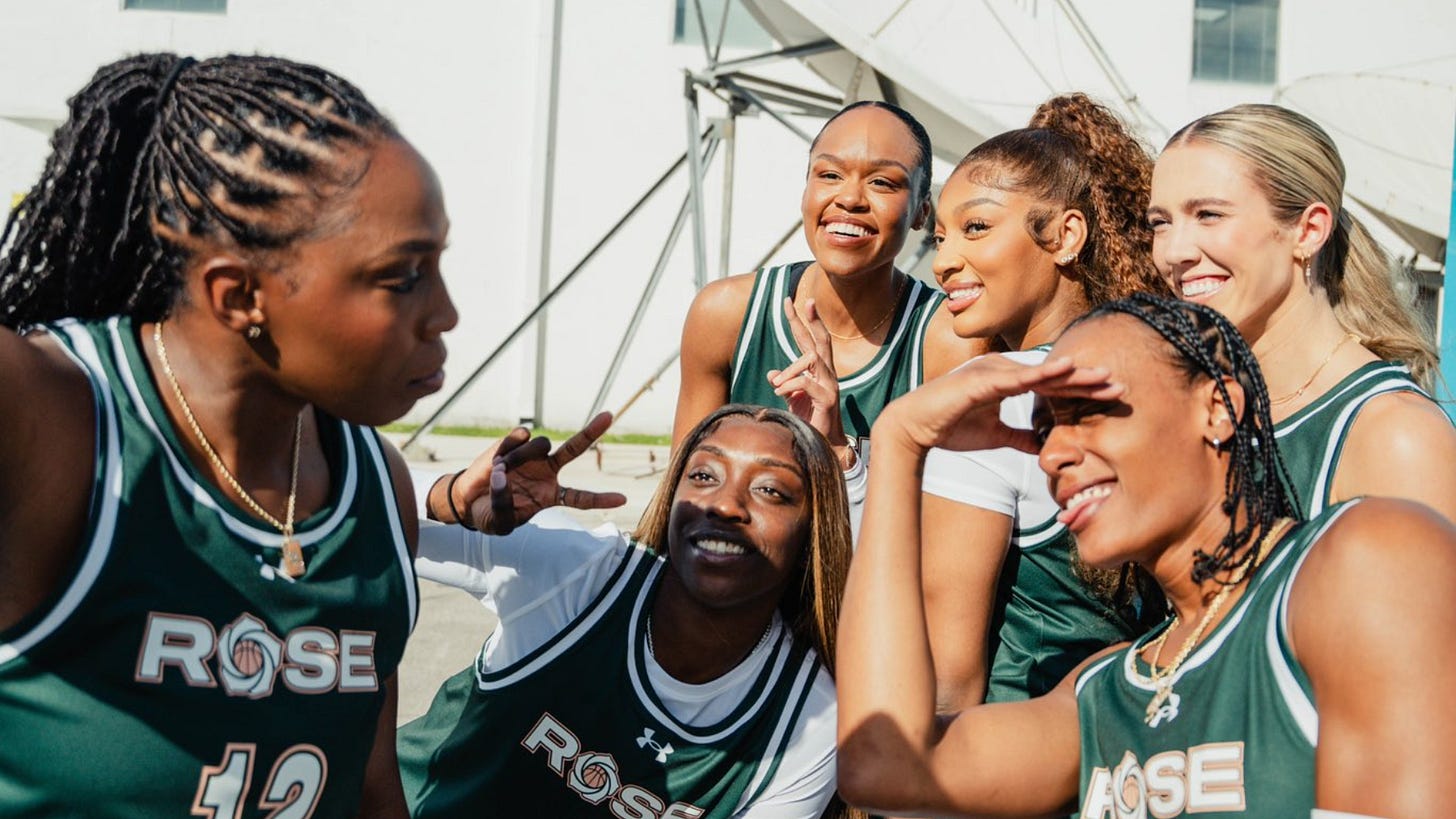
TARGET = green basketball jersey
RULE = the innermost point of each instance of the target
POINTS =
(765, 343)
(574, 729)
(1047, 618)
(1235, 738)
(174, 671)
(1311, 440)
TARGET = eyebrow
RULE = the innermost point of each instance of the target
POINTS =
(976, 202)
(874, 163)
(762, 459)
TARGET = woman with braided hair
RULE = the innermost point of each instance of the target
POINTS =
(1033, 227)
(1297, 655)
(1247, 217)
(228, 271)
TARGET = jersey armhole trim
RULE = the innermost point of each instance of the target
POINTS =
(763, 281)
(396, 526)
(636, 564)
(783, 733)
(105, 502)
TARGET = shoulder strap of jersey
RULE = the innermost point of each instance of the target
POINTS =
(763, 286)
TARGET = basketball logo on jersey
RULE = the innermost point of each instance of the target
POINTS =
(1203, 779)
(595, 776)
(249, 658)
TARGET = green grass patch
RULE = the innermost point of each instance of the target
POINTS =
(557, 435)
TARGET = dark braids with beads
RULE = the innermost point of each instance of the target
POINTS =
(160, 153)
(1208, 346)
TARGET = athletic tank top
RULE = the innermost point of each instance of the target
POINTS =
(1311, 440)
(174, 670)
(765, 343)
(574, 729)
(1047, 619)
(1235, 738)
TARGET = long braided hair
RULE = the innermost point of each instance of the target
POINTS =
(161, 152)
(1206, 345)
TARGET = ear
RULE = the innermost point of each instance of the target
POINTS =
(1314, 228)
(1218, 424)
(1072, 234)
(922, 214)
(231, 287)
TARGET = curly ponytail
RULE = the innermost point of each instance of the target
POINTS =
(1076, 153)
(1295, 163)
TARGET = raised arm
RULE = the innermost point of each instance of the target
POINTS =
(47, 462)
(1371, 616)
(709, 334)
(1015, 758)
(1401, 446)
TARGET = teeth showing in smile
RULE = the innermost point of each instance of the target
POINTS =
(1199, 287)
(846, 229)
(1091, 493)
(720, 547)
(961, 292)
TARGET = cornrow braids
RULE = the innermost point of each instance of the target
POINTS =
(1207, 345)
(159, 152)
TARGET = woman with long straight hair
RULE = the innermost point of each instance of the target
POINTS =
(679, 671)
(1247, 217)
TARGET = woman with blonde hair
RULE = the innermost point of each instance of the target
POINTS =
(1247, 217)
(682, 671)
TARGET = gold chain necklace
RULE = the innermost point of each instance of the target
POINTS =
(1317, 370)
(291, 562)
(895, 302)
(1162, 679)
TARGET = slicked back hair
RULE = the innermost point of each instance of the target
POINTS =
(160, 153)
(1204, 344)
(920, 195)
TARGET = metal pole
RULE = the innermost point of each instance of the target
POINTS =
(561, 285)
(645, 301)
(695, 181)
(1446, 313)
(728, 130)
(545, 195)
(763, 106)
(793, 52)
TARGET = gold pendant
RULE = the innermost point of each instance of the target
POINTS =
(291, 561)
(1159, 697)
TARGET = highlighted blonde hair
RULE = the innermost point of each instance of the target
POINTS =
(1295, 164)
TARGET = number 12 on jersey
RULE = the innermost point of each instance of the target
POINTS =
(291, 792)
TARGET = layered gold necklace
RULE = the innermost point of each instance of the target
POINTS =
(291, 561)
(1162, 678)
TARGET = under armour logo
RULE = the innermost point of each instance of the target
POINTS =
(646, 741)
(1165, 713)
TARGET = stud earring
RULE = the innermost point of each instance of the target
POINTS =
(253, 333)
(1217, 444)
(1066, 259)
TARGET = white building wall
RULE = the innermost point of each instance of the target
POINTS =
(461, 79)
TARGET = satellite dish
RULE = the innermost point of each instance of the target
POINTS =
(1395, 133)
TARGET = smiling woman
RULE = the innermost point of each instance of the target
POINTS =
(838, 337)
(1248, 218)
(1295, 652)
(679, 672)
(194, 513)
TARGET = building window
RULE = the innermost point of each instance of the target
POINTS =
(742, 31)
(1235, 40)
(199, 6)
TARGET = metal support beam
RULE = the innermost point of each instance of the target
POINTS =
(791, 53)
(439, 412)
(543, 195)
(728, 132)
(695, 182)
(645, 301)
